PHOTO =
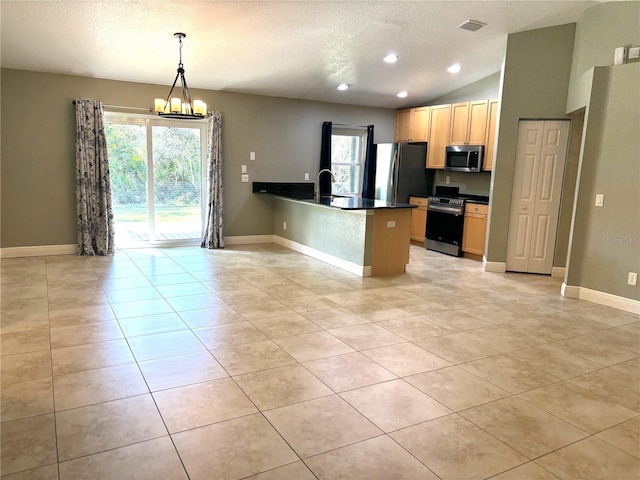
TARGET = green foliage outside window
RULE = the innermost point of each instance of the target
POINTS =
(176, 164)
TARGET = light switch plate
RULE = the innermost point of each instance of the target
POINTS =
(245, 178)
(252, 155)
(599, 199)
(306, 176)
(243, 169)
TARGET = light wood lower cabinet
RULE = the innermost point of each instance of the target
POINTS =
(418, 218)
(475, 228)
(391, 231)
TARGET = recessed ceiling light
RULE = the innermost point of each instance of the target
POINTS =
(391, 58)
(455, 68)
(343, 86)
(403, 94)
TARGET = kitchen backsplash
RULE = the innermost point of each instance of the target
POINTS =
(470, 183)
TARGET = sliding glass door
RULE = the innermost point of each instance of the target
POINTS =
(156, 179)
(177, 183)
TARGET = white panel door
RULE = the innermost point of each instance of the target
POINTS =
(535, 201)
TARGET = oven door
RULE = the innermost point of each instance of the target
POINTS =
(444, 230)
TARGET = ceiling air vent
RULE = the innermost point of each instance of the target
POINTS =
(471, 25)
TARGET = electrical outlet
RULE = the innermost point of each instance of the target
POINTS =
(447, 179)
(632, 279)
(599, 199)
(243, 169)
(245, 178)
(391, 224)
(306, 176)
(252, 155)
(284, 225)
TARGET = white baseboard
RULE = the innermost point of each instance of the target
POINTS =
(558, 272)
(495, 267)
(570, 291)
(601, 298)
(38, 251)
(360, 270)
(248, 239)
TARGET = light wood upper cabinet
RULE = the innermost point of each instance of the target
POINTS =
(439, 126)
(464, 123)
(420, 124)
(489, 143)
(475, 228)
(412, 125)
(468, 123)
(403, 125)
(459, 123)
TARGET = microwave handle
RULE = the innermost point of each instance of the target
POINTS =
(468, 158)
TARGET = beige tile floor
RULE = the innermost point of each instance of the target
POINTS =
(258, 362)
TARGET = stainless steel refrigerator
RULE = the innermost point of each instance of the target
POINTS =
(401, 171)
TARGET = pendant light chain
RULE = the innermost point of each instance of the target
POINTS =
(173, 107)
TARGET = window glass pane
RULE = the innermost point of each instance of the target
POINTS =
(347, 179)
(177, 182)
(127, 150)
(345, 148)
(347, 159)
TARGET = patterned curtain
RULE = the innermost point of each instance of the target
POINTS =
(93, 184)
(213, 237)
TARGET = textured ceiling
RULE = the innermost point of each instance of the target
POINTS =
(296, 49)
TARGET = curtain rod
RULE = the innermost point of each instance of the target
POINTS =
(124, 107)
(350, 126)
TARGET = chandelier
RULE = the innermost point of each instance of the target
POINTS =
(175, 107)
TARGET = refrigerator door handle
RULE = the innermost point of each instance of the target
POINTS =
(396, 174)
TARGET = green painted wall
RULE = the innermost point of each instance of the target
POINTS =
(605, 242)
(487, 87)
(568, 190)
(38, 141)
(600, 30)
(340, 233)
(535, 81)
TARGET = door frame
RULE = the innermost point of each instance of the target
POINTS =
(560, 196)
(150, 121)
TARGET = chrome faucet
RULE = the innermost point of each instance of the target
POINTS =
(333, 180)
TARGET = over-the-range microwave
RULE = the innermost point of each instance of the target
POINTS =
(464, 158)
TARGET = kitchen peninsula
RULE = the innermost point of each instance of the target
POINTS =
(365, 237)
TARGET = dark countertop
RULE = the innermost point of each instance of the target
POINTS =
(346, 203)
(484, 200)
(480, 200)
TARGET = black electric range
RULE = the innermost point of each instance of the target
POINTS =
(445, 219)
